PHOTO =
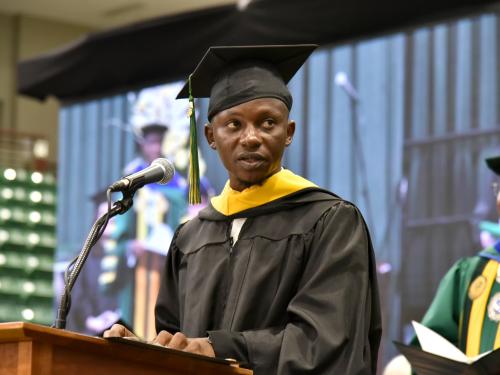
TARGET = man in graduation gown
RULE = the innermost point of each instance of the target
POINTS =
(276, 272)
(466, 308)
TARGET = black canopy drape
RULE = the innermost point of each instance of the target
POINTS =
(168, 48)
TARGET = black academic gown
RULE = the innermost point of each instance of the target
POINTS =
(296, 294)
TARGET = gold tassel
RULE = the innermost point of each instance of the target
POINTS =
(194, 196)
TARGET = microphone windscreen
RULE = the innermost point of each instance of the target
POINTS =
(168, 167)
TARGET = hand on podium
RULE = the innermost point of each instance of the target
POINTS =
(178, 341)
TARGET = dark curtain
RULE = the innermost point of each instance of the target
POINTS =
(168, 48)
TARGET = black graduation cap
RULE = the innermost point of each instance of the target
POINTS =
(494, 164)
(153, 127)
(232, 75)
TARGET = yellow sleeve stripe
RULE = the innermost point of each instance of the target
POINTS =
(478, 310)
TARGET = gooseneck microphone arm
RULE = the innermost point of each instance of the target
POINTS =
(74, 268)
(160, 171)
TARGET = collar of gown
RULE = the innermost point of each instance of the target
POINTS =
(279, 185)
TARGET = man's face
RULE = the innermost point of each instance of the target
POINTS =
(250, 139)
(151, 146)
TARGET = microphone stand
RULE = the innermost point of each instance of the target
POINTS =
(74, 268)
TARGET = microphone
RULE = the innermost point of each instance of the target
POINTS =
(342, 80)
(161, 171)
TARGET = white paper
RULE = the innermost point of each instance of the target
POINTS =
(434, 343)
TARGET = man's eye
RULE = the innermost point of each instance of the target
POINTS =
(233, 124)
(269, 122)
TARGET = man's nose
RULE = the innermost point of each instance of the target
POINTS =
(250, 137)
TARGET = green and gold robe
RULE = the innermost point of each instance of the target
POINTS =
(466, 308)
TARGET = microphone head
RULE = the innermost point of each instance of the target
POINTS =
(168, 167)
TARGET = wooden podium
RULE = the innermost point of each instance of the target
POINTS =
(30, 349)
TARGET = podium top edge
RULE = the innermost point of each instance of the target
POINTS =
(13, 332)
(25, 331)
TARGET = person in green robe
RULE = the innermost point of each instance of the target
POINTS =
(466, 307)
(276, 273)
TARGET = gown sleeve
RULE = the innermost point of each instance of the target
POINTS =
(333, 324)
(167, 314)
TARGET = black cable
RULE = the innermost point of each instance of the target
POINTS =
(75, 266)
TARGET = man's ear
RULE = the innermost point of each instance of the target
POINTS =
(290, 131)
(209, 135)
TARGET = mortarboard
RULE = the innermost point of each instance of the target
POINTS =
(153, 128)
(232, 75)
(494, 164)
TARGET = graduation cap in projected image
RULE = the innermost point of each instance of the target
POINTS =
(494, 164)
(233, 75)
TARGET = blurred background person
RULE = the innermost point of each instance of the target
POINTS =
(466, 307)
(143, 234)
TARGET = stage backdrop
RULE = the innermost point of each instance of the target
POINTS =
(407, 147)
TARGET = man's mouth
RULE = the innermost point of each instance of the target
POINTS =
(251, 159)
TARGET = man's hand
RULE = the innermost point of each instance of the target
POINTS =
(117, 330)
(179, 341)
